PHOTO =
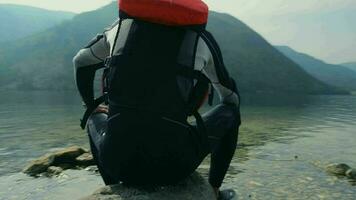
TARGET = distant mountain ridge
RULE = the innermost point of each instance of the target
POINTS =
(329, 33)
(336, 75)
(17, 21)
(350, 65)
(253, 62)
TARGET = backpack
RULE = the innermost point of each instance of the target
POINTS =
(144, 77)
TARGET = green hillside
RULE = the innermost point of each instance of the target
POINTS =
(43, 61)
(20, 21)
(256, 64)
(336, 75)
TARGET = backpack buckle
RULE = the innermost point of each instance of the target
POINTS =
(107, 62)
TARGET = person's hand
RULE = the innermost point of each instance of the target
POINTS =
(102, 109)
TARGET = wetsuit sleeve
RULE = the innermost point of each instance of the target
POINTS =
(204, 62)
(86, 62)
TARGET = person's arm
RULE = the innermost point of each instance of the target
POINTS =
(223, 84)
(86, 62)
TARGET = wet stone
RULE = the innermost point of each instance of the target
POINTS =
(86, 159)
(68, 155)
(69, 158)
(92, 169)
(39, 165)
(53, 170)
(338, 169)
(351, 173)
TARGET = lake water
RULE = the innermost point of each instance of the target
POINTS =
(318, 130)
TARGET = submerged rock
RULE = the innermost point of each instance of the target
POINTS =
(86, 159)
(39, 165)
(68, 158)
(351, 173)
(53, 170)
(337, 169)
(68, 155)
(92, 169)
(193, 188)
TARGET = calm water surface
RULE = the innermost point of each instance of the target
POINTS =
(316, 129)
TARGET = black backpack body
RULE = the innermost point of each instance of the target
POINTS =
(155, 72)
(151, 88)
(144, 77)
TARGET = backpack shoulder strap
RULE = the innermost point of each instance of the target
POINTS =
(203, 84)
(222, 73)
(215, 50)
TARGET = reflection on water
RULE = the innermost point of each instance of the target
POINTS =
(321, 130)
(32, 123)
(281, 140)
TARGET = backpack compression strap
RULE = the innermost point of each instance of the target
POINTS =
(91, 109)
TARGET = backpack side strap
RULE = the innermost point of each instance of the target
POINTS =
(196, 95)
(91, 109)
(199, 90)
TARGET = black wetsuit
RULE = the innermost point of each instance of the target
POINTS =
(138, 147)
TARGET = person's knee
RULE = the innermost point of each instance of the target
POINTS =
(231, 138)
(96, 127)
(97, 122)
(223, 116)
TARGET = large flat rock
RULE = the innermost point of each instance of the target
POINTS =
(193, 188)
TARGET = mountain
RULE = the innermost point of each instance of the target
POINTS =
(20, 21)
(43, 61)
(350, 65)
(310, 25)
(336, 75)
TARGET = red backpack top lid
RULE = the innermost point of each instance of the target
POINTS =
(168, 12)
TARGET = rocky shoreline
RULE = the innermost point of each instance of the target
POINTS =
(195, 187)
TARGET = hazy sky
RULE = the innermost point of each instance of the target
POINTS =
(67, 5)
(282, 22)
(242, 7)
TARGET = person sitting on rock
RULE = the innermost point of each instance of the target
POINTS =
(159, 66)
